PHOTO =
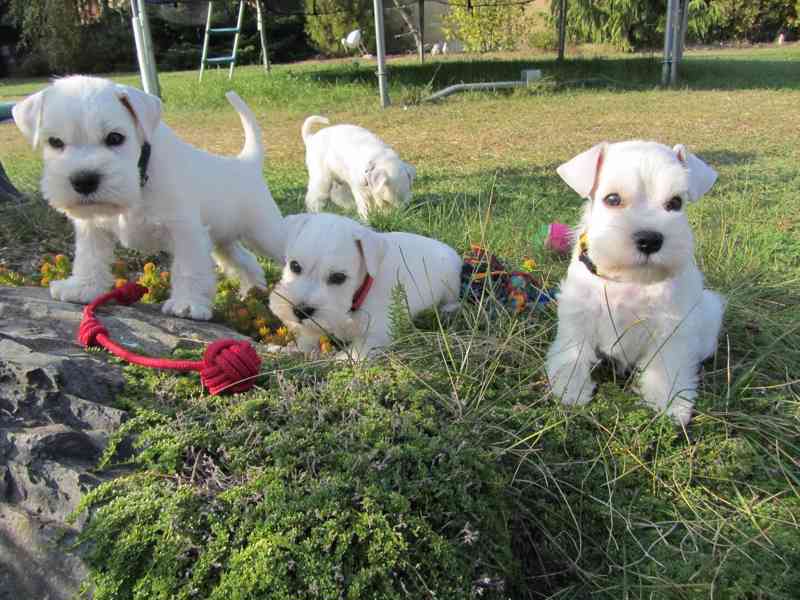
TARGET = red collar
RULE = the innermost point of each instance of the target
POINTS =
(361, 293)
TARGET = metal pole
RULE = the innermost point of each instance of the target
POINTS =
(421, 27)
(262, 32)
(676, 42)
(667, 63)
(562, 29)
(684, 27)
(151, 85)
(136, 24)
(381, 51)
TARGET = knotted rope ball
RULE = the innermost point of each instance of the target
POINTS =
(227, 366)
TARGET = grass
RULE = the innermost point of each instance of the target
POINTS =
(376, 482)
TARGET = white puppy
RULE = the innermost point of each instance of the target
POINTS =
(633, 292)
(118, 171)
(339, 277)
(354, 168)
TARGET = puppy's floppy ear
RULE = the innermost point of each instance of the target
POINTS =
(374, 176)
(412, 172)
(377, 178)
(372, 247)
(701, 176)
(364, 182)
(28, 116)
(581, 172)
(294, 224)
(144, 108)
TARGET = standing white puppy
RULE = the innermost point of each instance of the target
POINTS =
(339, 276)
(354, 168)
(118, 171)
(633, 292)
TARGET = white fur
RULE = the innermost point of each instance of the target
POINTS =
(192, 204)
(354, 168)
(322, 244)
(645, 312)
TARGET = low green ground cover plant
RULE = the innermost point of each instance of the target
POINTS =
(445, 469)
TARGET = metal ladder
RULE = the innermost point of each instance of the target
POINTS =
(231, 59)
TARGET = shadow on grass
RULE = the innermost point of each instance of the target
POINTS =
(718, 158)
(700, 73)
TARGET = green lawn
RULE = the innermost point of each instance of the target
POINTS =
(446, 470)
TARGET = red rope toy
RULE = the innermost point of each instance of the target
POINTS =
(227, 365)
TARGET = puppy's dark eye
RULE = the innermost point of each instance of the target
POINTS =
(612, 200)
(55, 143)
(674, 203)
(337, 278)
(295, 267)
(115, 139)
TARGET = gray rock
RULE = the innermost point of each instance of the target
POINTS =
(57, 410)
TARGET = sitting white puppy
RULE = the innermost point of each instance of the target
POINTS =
(354, 168)
(339, 276)
(118, 171)
(633, 292)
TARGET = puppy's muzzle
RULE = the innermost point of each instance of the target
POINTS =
(648, 242)
(85, 182)
(303, 312)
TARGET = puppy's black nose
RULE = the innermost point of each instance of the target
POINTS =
(303, 312)
(648, 242)
(85, 182)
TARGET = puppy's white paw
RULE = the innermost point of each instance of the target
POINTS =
(196, 309)
(681, 411)
(572, 385)
(74, 289)
(576, 395)
(290, 348)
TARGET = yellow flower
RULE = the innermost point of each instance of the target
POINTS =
(45, 281)
(46, 268)
(149, 268)
(282, 331)
(325, 344)
(263, 332)
(61, 260)
(529, 264)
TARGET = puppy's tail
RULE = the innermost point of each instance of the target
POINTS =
(252, 150)
(309, 123)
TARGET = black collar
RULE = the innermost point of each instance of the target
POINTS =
(144, 159)
(584, 255)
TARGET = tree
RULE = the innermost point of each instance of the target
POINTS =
(73, 35)
(328, 21)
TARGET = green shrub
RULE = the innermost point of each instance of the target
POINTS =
(486, 27)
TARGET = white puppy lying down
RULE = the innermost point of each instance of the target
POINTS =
(118, 171)
(354, 168)
(339, 276)
(633, 291)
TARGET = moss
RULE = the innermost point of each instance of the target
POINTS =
(359, 488)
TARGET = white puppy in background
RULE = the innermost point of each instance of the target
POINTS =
(119, 172)
(354, 168)
(633, 292)
(339, 277)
